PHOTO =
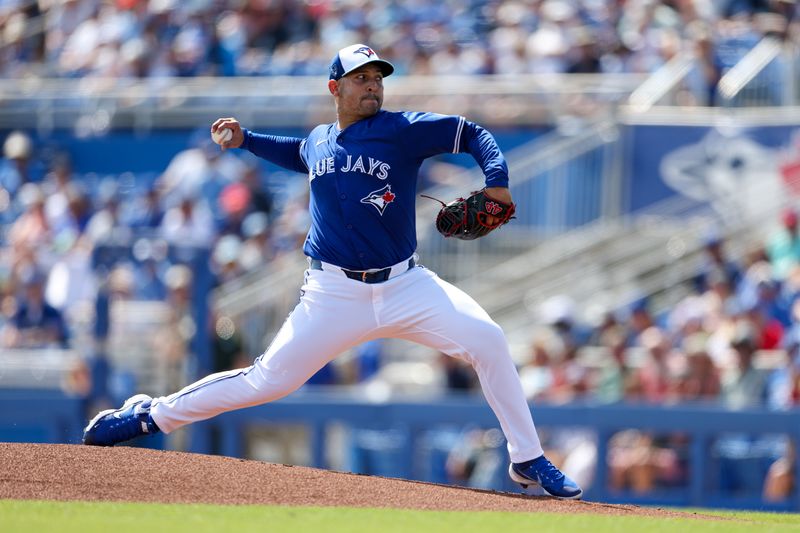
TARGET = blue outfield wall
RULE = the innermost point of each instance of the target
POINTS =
(33, 416)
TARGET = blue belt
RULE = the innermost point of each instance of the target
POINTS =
(375, 276)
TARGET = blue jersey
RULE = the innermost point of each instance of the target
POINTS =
(363, 180)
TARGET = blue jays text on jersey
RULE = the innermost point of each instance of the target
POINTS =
(373, 167)
(363, 180)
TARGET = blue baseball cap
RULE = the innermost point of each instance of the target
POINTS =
(354, 56)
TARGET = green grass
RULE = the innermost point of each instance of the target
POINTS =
(87, 517)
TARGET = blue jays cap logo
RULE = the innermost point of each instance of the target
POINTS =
(380, 198)
(366, 50)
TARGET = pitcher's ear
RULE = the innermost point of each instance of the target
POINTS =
(333, 87)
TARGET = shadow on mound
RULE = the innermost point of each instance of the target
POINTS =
(76, 472)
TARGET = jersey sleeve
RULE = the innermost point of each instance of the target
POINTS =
(429, 134)
(283, 151)
(483, 147)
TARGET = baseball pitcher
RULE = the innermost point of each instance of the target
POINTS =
(363, 281)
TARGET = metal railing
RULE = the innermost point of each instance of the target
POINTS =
(662, 82)
(98, 104)
(763, 77)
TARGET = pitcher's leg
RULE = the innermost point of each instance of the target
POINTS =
(437, 314)
(324, 324)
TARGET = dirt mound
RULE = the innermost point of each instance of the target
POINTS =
(74, 472)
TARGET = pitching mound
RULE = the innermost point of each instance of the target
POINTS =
(74, 472)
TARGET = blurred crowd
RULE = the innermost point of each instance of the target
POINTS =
(103, 264)
(156, 38)
(734, 338)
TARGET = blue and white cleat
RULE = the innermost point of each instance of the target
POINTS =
(113, 426)
(542, 472)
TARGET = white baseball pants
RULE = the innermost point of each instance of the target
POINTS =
(336, 313)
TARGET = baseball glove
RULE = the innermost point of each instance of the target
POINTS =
(466, 218)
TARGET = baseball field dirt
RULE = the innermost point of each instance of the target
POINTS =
(76, 472)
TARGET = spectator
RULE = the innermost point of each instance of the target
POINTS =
(106, 224)
(234, 202)
(225, 259)
(783, 246)
(537, 375)
(658, 371)
(18, 167)
(55, 187)
(72, 283)
(148, 278)
(607, 325)
(708, 70)
(563, 336)
(559, 315)
(638, 321)
(79, 206)
(717, 266)
(164, 38)
(36, 324)
(744, 385)
(201, 172)
(768, 315)
(608, 382)
(587, 54)
(641, 462)
(119, 287)
(571, 379)
(31, 236)
(172, 339)
(256, 250)
(694, 312)
(146, 212)
(779, 484)
(700, 380)
(784, 383)
(719, 301)
(188, 224)
(261, 200)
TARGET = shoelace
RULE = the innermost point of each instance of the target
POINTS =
(128, 427)
(549, 472)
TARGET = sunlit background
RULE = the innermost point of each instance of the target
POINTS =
(648, 286)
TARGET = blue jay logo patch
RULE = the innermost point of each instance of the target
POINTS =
(366, 50)
(380, 198)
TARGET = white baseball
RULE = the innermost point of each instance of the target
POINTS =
(222, 135)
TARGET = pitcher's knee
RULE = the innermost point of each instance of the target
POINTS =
(269, 386)
(487, 341)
